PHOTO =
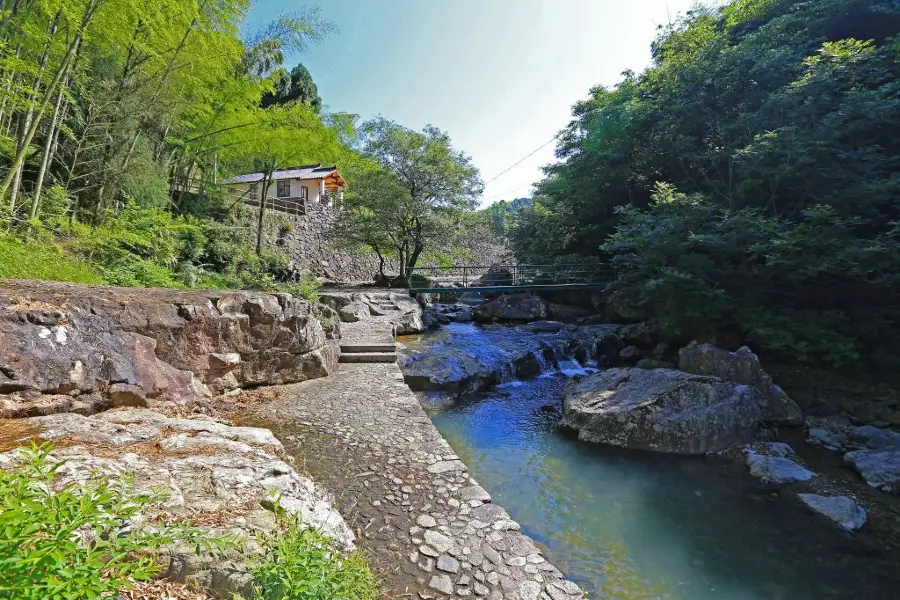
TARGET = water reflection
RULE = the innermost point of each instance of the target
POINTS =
(635, 526)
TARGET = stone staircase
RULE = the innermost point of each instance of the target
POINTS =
(368, 342)
(369, 353)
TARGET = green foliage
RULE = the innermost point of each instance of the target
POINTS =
(307, 289)
(761, 113)
(301, 564)
(408, 194)
(21, 259)
(76, 540)
(784, 285)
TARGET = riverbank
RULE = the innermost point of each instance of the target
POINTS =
(627, 524)
(430, 529)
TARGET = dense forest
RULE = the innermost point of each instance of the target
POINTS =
(746, 186)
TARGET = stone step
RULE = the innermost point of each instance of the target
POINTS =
(369, 357)
(364, 348)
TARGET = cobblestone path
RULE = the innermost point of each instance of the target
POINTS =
(430, 530)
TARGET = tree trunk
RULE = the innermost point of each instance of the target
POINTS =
(61, 71)
(266, 182)
(25, 125)
(48, 152)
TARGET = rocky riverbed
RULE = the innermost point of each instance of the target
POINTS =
(501, 420)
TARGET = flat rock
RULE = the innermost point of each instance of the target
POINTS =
(441, 583)
(438, 541)
(203, 466)
(661, 410)
(880, 469)
(448, 564)
(844, 511)
(777, 469)
(875, 438)
(426, 521)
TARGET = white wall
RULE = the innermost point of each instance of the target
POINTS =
(313, 185)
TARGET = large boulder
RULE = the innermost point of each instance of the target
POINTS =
(741, 366)
(223, 479)
(661, 410)
(67, 347)
(516, 308)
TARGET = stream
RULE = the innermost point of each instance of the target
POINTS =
(628, 525)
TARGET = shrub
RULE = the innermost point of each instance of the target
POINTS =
(816, 289)
(302, 564)
(306, 289)
(75, 540)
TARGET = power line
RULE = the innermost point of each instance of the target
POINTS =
(520, 161)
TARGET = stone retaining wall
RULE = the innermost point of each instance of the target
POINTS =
(76, 348)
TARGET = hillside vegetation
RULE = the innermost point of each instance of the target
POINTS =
(120, 120)
(746, 186)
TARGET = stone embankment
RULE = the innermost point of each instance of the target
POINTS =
(429, 526)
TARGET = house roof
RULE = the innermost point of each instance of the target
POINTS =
(302, 172)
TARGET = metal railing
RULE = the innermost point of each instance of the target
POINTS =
(491, 276)
(294, 205)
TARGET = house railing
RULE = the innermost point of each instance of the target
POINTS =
(293, 205)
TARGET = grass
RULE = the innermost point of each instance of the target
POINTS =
(28, 260)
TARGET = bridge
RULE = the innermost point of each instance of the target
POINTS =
(509, 278)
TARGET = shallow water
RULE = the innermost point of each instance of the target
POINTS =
(636, 526)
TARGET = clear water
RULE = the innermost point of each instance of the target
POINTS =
(636, 526)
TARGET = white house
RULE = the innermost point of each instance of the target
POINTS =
(292, 190)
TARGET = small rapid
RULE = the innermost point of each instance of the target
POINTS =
(630, 525)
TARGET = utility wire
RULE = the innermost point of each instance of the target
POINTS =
(520, 161)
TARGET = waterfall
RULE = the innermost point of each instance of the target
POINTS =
(567, 365)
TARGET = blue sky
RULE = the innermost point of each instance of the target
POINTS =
(499, 75)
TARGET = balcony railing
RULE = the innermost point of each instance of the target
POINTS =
(294, 205)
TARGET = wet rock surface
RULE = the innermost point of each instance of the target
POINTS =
(660, 410)
(430, 529)
(219, 477)
(67, 347)
(464, 357)
(844, 511)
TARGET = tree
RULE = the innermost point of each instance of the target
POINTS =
(410, 199)
(298, 86)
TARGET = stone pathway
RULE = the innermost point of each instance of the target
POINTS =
(430, 530)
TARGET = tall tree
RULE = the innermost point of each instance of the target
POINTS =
(296, 86)
(421, 182)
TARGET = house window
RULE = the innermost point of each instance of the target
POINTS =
(254, 191)
(284, 189)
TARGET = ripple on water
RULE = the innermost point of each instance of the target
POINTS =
(635, 526)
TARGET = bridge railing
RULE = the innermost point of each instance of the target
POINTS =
(490, 276)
